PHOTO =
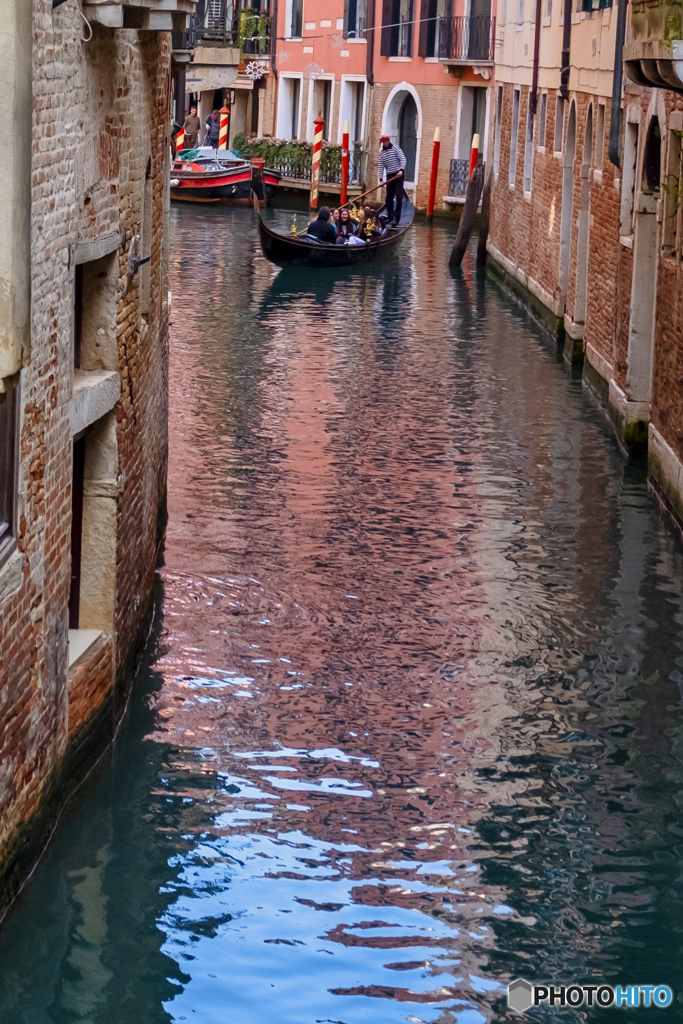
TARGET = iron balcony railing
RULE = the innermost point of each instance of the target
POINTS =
(217, 21)
(295, 162)
(255, 34)
(467, 40)
(457, 178)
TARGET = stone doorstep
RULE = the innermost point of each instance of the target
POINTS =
(82, 642)
(95, 393)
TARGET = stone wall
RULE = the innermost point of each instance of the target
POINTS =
(99, 178)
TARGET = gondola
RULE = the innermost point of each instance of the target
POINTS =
(291, 250)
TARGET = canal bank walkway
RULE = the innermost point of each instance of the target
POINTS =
(409, 721)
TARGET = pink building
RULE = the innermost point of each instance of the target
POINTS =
(400, 67)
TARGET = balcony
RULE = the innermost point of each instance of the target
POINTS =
(653, 55)
(466, 42)
(254, 33)
(218, 23)
(151, 15)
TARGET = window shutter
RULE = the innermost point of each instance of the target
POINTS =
(387, 12)
(424, 28)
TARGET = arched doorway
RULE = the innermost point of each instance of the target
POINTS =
(407, 135)
(567, 202)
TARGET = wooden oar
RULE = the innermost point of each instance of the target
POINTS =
(355, 199)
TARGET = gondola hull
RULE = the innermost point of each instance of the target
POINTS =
(298, 252)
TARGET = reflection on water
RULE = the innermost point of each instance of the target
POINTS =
(410, 722)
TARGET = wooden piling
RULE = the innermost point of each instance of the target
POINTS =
(484, 222)
(472, 197)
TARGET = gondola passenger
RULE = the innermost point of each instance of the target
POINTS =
(346, 226)
(321, 228)
(335, 220)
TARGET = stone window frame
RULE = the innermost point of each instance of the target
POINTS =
(558, 137)
(498, 131)
(528, 169)
(514, 137)
(672, 188)
(543, 122)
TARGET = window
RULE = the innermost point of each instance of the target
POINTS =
(513, 139)
(529, 148)
(559, 125)
(146, 241)
(351, 109)
(499, 121)
(600, 137)
(431, 14)
(295, 99)
(8, 424)
(672, 196)
(520, 12)
(504, 12)
(295, 18)
(593, 5)
(355, 18)
(320, 105)
(548, 9)
(397, 28)
(628, 180)
(542, 120)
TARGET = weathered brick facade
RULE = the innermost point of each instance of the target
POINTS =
(99, 179)
(596, 248)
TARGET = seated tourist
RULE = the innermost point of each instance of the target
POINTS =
(335, 220)
(346, 227)
(321, 227)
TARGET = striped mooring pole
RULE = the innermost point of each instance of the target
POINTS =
(435, 171)
(344, 165)
(180, 140)
(315, 163)
(223, 131)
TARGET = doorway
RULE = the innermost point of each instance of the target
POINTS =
(407, 135)
(580, 300)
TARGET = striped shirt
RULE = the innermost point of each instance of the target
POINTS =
(391, 160)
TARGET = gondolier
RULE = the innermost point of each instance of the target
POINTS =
(392, 164)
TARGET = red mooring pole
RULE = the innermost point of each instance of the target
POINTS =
(474, 155)
(345, 166)
(223, 130)
(435, 171)
(315, 163)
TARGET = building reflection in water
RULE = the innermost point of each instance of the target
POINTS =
(411, 724)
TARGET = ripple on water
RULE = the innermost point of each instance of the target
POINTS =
(410, 724)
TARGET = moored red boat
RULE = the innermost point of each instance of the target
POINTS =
(216, 176)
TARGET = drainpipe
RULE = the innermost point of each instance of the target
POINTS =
(16, 37)
(566, 47)
(615, 112)
(537, 47)
(273, 40)
(370, 48)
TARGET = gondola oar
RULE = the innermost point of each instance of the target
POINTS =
(363, 194)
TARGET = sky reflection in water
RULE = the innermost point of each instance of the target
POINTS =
(409, 724)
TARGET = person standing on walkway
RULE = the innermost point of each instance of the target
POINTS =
(191, 128)
(392, 164)
(213, 129)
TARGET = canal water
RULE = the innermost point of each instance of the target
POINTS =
(409, 721)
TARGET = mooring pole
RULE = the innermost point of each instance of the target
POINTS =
(474, 155)
(315, 163)
(223, 130)
(344, 165)
(435, 171)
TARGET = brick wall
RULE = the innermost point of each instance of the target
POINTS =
(100, 116)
